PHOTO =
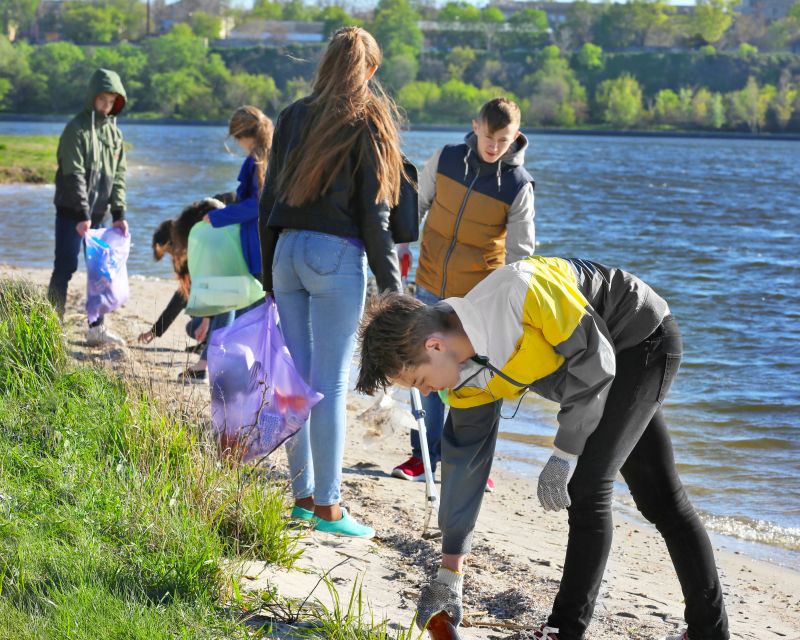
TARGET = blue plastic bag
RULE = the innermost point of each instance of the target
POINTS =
(258, 399)
(106, 255)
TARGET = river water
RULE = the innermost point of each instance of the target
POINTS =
(711, 224)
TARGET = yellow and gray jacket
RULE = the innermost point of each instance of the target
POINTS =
(554, 326)
(91, 157)
(479, 216)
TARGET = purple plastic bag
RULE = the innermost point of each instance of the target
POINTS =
(258, 399)
(106, 270)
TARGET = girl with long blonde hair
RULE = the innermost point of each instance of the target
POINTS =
(333, 175)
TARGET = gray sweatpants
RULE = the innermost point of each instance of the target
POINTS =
(468, 443)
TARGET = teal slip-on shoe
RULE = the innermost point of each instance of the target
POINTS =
(298, 513)
(346, 527)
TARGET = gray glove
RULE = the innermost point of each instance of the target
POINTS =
(553, 481)
(438, 596)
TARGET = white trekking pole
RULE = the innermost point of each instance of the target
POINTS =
(431, 496)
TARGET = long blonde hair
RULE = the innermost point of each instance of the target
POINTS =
(349, 110)
(250, 122)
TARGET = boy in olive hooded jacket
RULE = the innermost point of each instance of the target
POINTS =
(90, 180)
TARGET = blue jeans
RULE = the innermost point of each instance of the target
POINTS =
(217, 322)
(319, 284)
(433, 407)
(68, 249)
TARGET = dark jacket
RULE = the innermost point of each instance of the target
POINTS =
(244, 212)
(348, 209)
(91, 157)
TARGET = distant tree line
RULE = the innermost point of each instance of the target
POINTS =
(606, 65)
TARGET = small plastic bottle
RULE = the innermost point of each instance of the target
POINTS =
(441, 627)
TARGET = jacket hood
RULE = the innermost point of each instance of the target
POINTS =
(104, 80)
(514, 157)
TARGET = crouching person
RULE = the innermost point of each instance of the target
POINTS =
(602, 344)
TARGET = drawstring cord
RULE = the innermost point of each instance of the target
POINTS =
(466, 163)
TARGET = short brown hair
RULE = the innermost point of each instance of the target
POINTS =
(498, 113)
(392, 338)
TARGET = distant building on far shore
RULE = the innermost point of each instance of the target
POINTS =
(768, 9)
(274, 32)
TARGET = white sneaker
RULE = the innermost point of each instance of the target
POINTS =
(99, 335)
(683, 635)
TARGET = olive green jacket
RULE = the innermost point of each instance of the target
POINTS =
(91, 157)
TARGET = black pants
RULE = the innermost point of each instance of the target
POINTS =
(632, 438)
(68, 248)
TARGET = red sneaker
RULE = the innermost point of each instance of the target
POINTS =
(546, 633)
(412, 469)
(489, 485)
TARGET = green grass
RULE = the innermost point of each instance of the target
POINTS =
(28, 158)
(117, 520)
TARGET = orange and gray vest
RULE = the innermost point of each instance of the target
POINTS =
(464, 238)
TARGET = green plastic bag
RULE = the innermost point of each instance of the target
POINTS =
(221, 281)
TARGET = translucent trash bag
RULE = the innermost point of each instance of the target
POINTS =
(258, 399)
(107, 286)
(221, 281)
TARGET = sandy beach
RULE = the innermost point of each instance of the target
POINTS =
(513, 573)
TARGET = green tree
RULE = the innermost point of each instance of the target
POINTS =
(783, 104)
(711, 19)
(420, 100)
(530, 29)
(534, 18)
(784, 34)
(749, 105)
(15, 14)
(620, 101)
(334, 18)
(717, 111)
(86, 23)
(395, 28)
(556, 96)
(134, 20)
(579, 23)
(623, 25)
(295, 89)
(258, 90)
(398, 70)
(459, 12)
(747, 50)
(296, 10)
(459, 101)
(667, 107)
(205, 25)
(63, 65)
(178, 49)
(458, 60)
(590, 57)
(5, 90)
(267, 10)
(492, 15)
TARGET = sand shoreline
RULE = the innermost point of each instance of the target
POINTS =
(513, 572)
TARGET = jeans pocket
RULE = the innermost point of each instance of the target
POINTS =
(323, 254)
(671, 365)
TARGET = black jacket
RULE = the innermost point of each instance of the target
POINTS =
(348, 209)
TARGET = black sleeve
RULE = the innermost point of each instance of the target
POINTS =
(268, 238)
(176, 304)
(375, 229)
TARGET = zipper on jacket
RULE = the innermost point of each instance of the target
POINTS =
(455, 233)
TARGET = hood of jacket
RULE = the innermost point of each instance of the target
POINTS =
(514, 157)
(106, 81)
